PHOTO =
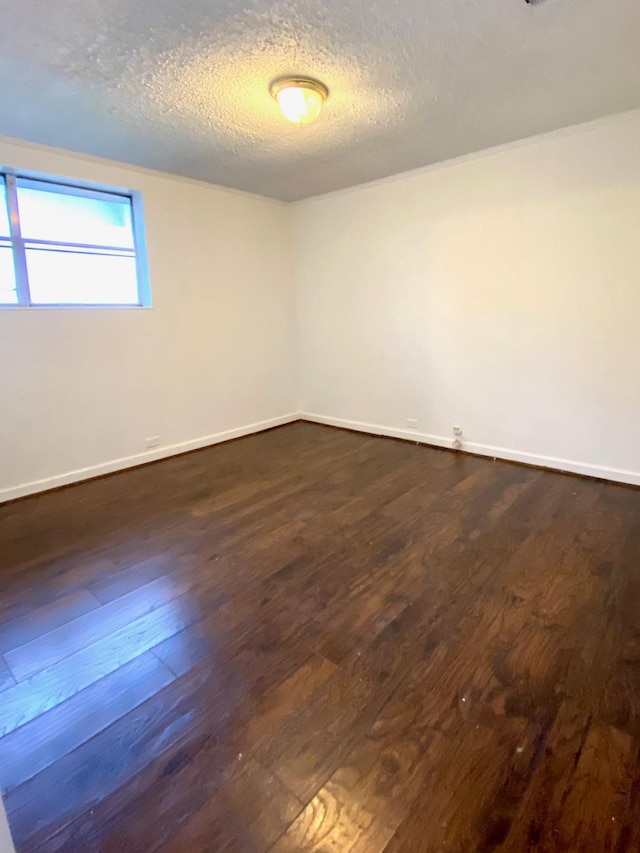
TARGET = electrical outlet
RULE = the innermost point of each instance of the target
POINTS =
(412, 423)
(457, 431)
(153, 441)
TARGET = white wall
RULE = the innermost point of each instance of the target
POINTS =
(6, 844)
(500, 293)
(82, 389)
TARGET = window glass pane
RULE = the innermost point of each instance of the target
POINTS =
(4, 216)
(57, 277)
(7, 277)
(62, 217)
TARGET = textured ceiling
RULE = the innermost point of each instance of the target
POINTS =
(183, 86)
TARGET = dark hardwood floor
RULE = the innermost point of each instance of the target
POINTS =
(312, 640)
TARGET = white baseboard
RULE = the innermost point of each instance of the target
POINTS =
(565, 465)
(599, 471)
(139, 459)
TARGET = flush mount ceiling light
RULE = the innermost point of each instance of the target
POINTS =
(299, 98)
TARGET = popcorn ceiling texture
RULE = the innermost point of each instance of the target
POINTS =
(183, 86)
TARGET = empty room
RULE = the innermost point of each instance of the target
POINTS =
(319, 432)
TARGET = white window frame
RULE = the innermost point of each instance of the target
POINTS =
(84, 190)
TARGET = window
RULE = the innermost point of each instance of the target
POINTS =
(69, 245)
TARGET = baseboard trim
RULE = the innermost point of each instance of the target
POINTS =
(549, 462)
(599, 472)
(111, 467)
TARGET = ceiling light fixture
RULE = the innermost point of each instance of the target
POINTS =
(299, 98)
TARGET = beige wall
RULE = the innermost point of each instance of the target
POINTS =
(500, 293)
(82, 389)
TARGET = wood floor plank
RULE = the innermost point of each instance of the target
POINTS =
(578, 798)
(66, 788)
(370, 645)
(45, 651)
(49, 737)
(593, 808)
(306, 749)
(456, 799)
(60, 576)
(18, 632)
(364, 801)
(534, 824)
(117, 584)
(169, 731)
(252, 814)
(6, 679)
(173, 788)
(49, 687)
(239, 803)
(629, 829)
